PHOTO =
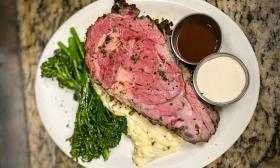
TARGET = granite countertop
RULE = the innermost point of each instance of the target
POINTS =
(259, 145)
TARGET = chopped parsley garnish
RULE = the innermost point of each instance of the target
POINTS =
(134, 58)
(103, 50)
(191, 78)
(162, 75)
(153, 142)
(108, 39)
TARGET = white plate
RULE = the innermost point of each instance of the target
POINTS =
(57, 107)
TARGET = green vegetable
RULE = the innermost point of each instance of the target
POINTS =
(96, 128)
(162, 75)
(134, 58)
(103, 50)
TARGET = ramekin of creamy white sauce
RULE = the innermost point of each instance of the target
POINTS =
(221, 79)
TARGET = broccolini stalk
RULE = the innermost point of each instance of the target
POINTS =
(96, 128)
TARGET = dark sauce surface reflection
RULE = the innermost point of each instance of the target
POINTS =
(198, 37)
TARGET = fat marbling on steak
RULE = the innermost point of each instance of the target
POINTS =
(131, 59)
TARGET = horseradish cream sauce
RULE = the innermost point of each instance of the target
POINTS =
(221, 79)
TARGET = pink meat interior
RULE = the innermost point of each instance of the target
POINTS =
(131, 59)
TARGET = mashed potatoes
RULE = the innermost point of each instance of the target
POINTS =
(150, 141)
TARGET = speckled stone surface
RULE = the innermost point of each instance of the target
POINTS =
(259, 145)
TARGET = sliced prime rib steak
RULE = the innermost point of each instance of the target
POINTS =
(131, 59)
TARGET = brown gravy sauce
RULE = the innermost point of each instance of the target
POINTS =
(196, 40)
